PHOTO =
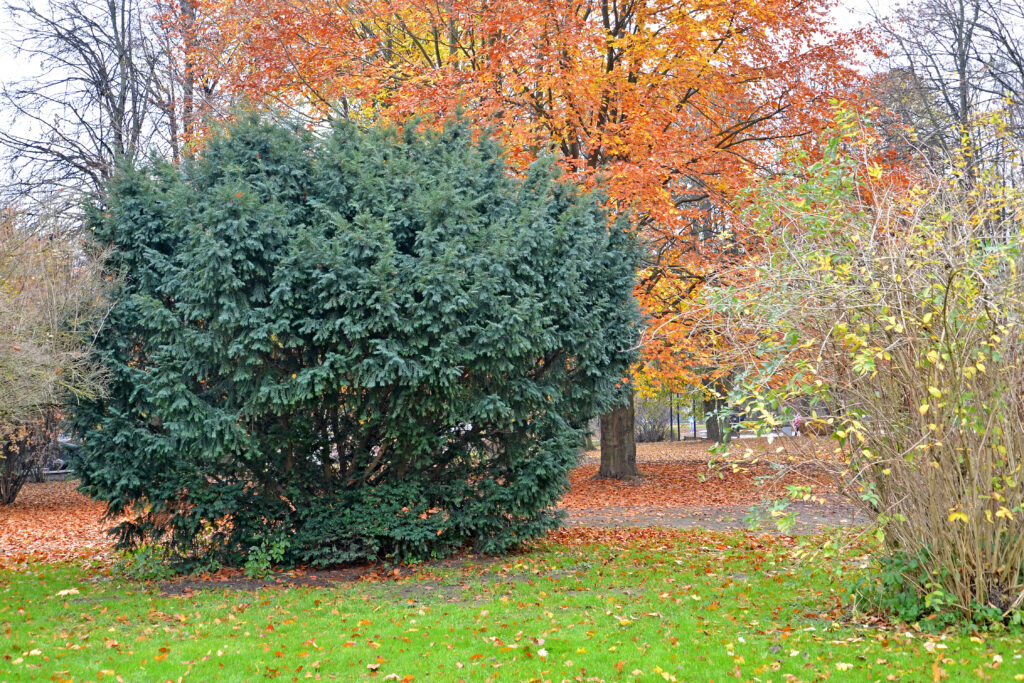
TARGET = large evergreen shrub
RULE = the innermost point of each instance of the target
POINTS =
(361, 344)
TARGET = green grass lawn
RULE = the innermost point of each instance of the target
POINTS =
(687, 606)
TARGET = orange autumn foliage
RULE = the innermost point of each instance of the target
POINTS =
(669, 104)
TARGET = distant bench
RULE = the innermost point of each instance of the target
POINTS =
(58, 475)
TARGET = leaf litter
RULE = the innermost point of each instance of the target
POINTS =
(680, 487)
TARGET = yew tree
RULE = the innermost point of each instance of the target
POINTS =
(670, 105)
(352, 344)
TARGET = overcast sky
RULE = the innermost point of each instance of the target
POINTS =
(854, 13)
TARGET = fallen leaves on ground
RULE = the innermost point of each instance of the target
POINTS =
(674, 484)
(625, 537)
(51, 522)
(650, 451)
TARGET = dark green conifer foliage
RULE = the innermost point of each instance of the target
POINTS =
(355, 345)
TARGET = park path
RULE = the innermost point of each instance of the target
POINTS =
(810, 518)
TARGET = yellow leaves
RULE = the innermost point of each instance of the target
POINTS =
(893, 325)
(1004, 513)
(853, 341)
(957, 516)
(923, 408)
(934, 391)
(824, 263)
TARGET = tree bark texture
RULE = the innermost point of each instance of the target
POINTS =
(618, 445)
(716, 420)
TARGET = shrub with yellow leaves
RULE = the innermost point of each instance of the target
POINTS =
(893, 298)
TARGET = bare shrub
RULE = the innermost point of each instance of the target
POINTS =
(652, 418)
(52, 299)
(898, 302)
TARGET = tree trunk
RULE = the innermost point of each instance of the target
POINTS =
(188, 85)
(618, 447)
(716, 420)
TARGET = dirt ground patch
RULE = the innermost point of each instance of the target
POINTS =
(779, 449)
(810, 518)
(467, 568)
(236, 580)
(684, 491)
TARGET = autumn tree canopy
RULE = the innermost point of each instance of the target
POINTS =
(670, 104)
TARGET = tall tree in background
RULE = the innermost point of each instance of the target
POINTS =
(952, 64)
(669, 104)
(116, 85)
(94, 105)
(188, 96)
